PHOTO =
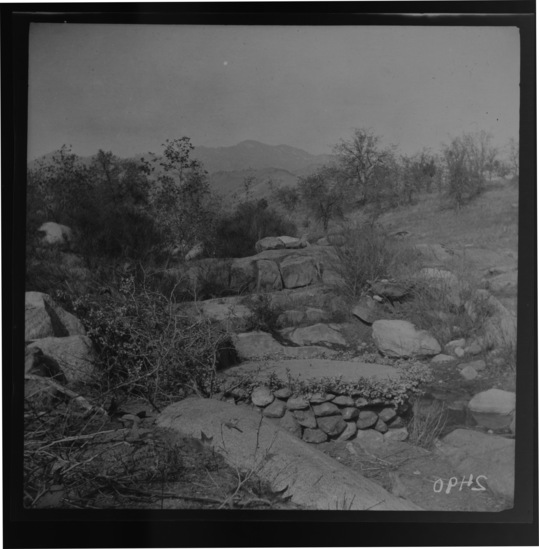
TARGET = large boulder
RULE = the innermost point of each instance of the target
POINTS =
(74, 354)
(45, 318)
(494, 408)
(488, 456)
(268, 276)
(54, 234)
(250, 442)
(400, 338)
(258, 345)
(230, 312)
(269, 243)
(298, 271)
(317, 334)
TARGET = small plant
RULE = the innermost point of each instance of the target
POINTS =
(264, 314)
(427, 422)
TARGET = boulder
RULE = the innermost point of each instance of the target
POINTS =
(332, 425)
(469, 373)
(283, 393)
(298, 271)
(269, 243)
(289, 423)
(44, 318)
(257, 345)
(366, 419)
(320, 398)
(488, 456)
(503, 283)
(314, 436)
(343, 400)
(387, 414)
(276, 409)
(262, 396)
(325, 409)
(350, 413)
(293, 243)
(369, 438)
(268, 276)
(349, 432)
(366, 310)
(494, 408)
(390, 290)
(56, 234)
(297, 403)
(306, 418)
(398, 435)
(36, 363)
(400, 338)
(317, 334)
(312, 479)
(74, 354)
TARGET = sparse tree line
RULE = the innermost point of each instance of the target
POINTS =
(151, 209)
(367, 174)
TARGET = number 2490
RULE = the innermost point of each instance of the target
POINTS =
(453, 482)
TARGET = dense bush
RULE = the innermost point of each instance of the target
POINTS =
(237, 233)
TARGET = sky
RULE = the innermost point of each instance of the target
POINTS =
(128, 88)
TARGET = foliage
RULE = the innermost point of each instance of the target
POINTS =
(181, 199)
(467, 159)
(418, 172)
(379, 390)
(360, 157)
(325, 193)
(264, 315)
(237, 233)
(369, 254)
(427, 422)
(514, 158)
(287, 197)
(146, 348)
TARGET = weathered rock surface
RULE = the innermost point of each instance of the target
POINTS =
(276, 409)
(332, 425)
(478, 454)
(56, 234)
(399, 435)
(229, 311)
(311, 478)
(298, 271)
(366, 310)
(268, 276)
(269, 243)
(400, 338)
(45, 318)
(315, 368)
(254, 345)
(442, 359)
(366, 419)
(325, 409)
(317, 334)
(314, 436)
(306, 418)
(494, 408)
(262, 396)
(74, 354)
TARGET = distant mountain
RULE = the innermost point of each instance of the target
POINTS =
(229, 166)
(258, 156)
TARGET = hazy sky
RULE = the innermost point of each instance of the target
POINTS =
(127, 88)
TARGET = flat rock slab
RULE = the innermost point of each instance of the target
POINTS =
(248, 441)
(347, 370)
(472, 452)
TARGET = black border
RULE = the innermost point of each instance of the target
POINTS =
(263, 528)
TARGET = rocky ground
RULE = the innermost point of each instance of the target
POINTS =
(289, 426)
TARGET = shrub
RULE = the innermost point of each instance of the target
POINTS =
(367, 255)
(147, 348)
(236, 234)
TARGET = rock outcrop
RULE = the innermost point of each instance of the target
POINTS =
(400, 338)
(249, 441)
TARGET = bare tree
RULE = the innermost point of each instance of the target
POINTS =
(360, 157)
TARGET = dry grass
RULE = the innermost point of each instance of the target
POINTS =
(427, 422)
